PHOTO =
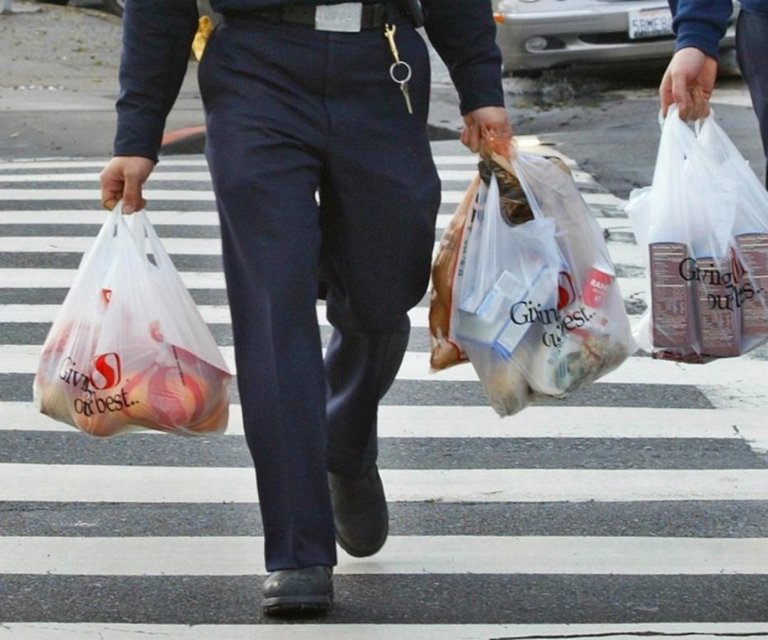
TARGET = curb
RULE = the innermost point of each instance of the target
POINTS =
(183, 141)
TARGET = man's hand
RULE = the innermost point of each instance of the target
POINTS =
(124, 177)
(688, 82)
(491, 123)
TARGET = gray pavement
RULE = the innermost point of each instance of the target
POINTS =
(60, 81)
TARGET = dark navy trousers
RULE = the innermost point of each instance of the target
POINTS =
(321, 176)
(751, 48)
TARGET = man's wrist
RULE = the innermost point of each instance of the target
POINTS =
(700, 35)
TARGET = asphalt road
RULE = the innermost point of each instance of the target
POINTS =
(635, 507)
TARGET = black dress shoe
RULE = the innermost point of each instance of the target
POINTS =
(359, 513)
(298, 592)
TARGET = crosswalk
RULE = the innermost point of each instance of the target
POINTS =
(637, 506)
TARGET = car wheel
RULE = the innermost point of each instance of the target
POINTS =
(115, 6)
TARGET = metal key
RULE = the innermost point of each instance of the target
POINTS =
(398, 67)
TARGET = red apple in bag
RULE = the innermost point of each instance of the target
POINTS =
(178, 394)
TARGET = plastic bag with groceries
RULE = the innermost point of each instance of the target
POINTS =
(703, 229)
(129, 348)
(534, 303)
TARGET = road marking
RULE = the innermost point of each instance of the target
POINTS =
(108, 483)
(446, 555)
(36, 195)
(79, 244)
(212, 314)
(63, 279)
(456, 175)
(303, 631)
(742, 376)
(411, 555)
(96, 216)
(449, 197)
(78, 163)
(408, 421)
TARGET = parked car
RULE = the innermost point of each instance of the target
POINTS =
(534, 35)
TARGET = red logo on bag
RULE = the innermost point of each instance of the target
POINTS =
(598, 284)
(566, 289)
(106, 294)
(107, 371)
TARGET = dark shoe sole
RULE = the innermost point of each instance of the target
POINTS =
(296, 606)
(357, 552)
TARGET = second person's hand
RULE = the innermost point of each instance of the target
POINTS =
(688, 82)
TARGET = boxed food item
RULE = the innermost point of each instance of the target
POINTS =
(672, 317)
(719, 319)
(752, 253)
(704, 220)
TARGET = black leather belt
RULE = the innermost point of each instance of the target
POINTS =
(349, 16)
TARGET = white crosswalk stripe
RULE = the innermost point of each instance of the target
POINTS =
(412, 421)
(103, 483)
(93, 631)
(639, 506)
(147, 556)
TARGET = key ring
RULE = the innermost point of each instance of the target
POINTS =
(393, 74)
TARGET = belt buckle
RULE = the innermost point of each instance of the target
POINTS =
(347, 17)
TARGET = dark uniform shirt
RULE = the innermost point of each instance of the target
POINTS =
(158, 35)
(702, 23)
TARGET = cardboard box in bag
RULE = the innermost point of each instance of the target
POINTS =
(672, 311)
(719, 318)
(753, 250)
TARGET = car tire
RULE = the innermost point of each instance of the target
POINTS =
(115, 6)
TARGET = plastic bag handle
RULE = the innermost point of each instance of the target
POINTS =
(144, 233)
(101, 247)
(673, 108)
(533, 203)
(698, 124)
(680, 131)
(677, 143)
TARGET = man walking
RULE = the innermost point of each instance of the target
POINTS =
(317, 144)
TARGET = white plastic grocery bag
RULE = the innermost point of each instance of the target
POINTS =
(703, 229)
(538, 309)
(129, 348)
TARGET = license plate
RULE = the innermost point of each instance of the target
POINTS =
(649, 23)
